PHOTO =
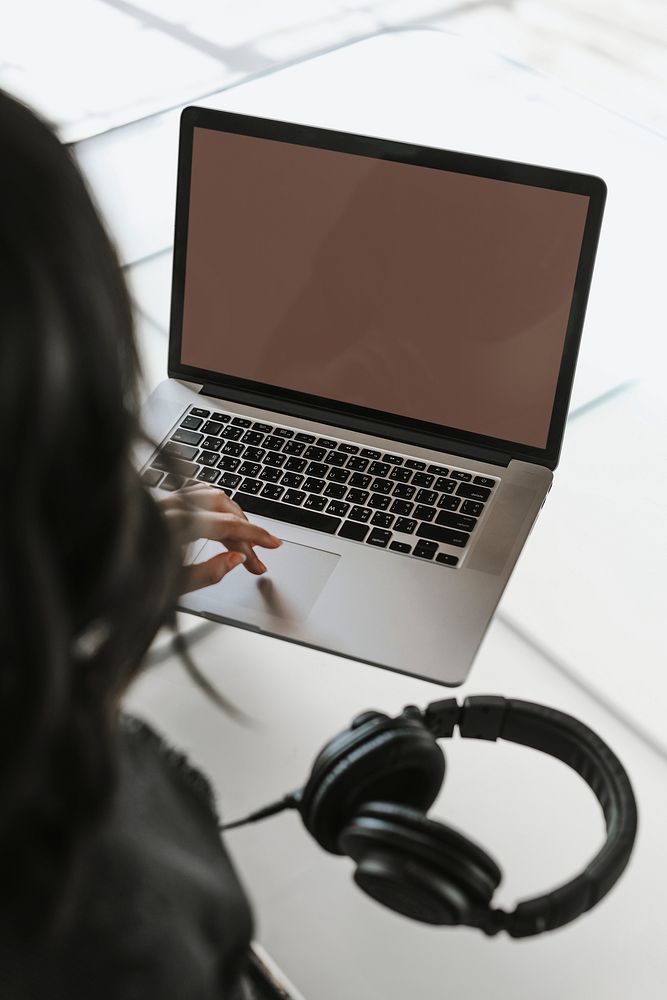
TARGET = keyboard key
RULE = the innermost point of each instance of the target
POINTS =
(187, 437)
(400, 474)
(186, 451)
(294, 464)
(381, 485)
(379, 538)
(357, 496)
(444, 557)
(412, 463)
(273, 491)
(273, 443)
(317, 469)
(293, 448)
(254, 454)
(358, 464)
(393, 459)
(459, 521)
(314, 485)
(404, 492)
(228, 463)
(469, 507)
(338, 475)
(172, 483)
(360, 514)
(303, 516)
(379, 501)
(423, 513)
(251, 486)
(314, 502)
(212, 427)
(212, 443)
(369, 453)
(232, 433)
(228, 481)
(175, 465)
(233, 448)
(306, 438)
(463, 477)
(337, 508)
(405, 525)
(336, 458)
(294, 496)
(275, 459)
(400, 547)
(314, 454)
(382, 520)
(421, 479)
(425, 550)
(326, 443)
(480, 493)
(359, 480)
(192, 423)
(354, 530)
(209, 475)
(262, 428)
(438, 534)
(438, 470)
(242, 421)
(223, 418)
(197, 412)
(426, 496)
(335, 490)
(402, 507)
(349, 449)
(253, 438)
(379, 469)
(452, 503)
(208, 458)
(249, 469)
(484, 481)
(291, 479)
(444, 485)
(270, 475)
(151, 477)
(283, 432)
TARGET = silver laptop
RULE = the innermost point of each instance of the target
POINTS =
(372, 349)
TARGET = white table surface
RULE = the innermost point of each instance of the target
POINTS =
(581, 623)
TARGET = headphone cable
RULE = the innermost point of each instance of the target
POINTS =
(290, 801)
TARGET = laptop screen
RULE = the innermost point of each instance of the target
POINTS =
(424, 293)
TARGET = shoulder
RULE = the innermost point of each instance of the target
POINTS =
(158, 909)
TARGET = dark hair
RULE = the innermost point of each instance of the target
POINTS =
(88, 569)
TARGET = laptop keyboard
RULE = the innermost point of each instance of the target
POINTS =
(383, 499)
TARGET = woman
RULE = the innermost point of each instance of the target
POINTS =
(113, 880)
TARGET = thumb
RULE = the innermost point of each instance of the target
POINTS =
(207, 573)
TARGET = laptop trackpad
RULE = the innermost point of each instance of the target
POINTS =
(295, 577)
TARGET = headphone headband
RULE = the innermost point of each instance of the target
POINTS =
(488, 717)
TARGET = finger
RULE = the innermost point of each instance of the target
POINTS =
(253, 563)
(205, 574)
(230, 528)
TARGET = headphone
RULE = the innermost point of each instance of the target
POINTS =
(371, 786)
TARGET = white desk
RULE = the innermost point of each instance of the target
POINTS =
(535, 816)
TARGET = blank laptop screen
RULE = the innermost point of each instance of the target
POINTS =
(424, 293)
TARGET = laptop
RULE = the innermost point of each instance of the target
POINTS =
(372, 348)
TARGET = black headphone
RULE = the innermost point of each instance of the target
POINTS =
(371, 786)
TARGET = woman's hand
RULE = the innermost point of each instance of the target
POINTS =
(206, 512)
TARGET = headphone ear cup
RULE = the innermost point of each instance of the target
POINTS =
(383, 758)
(417, 867)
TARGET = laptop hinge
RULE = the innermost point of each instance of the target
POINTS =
(364, 425)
